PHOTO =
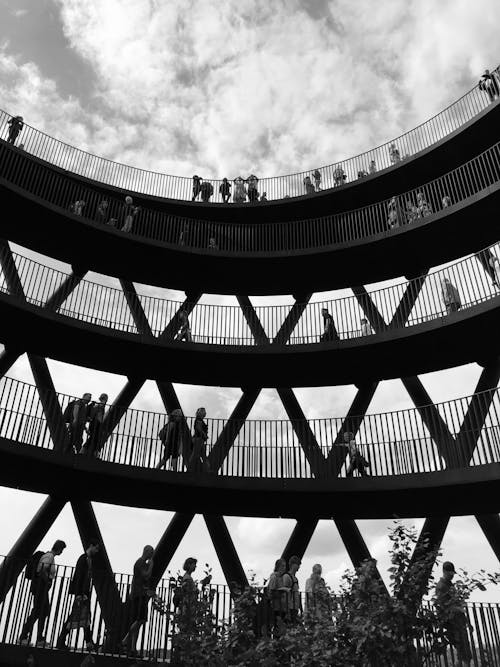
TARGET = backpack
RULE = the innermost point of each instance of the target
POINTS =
(68, 412)
(32, 564)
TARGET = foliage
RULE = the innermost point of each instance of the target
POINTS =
(365, 625)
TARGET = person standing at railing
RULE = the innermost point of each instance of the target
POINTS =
(357, 461)
(207, 190)
(423, 208)
(291, 585)
(15, 124)
(130, 212)
(310, 190)
(239, 192)
(184, 331)
(225, 190)
(394, 154)
(76, 415)
(317, 179)
(451, 297)
(366, 329)
(96, 413)
(102, 211)
(139, 597)
(373, 167)
(41, 582)
(451, 611)
(329, 331)
(196, 186)
(395, 216)
(77, 207)
(253, 193)
(81, 587)
(490, 85)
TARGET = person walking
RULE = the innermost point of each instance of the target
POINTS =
(291, 585)
(490, 85)
(318, 598)
(317, 179)
(76, 415)
(451, 297)
(96, 415)
(139, 597)
(41, 583)
(198, 460)
(277, 595)
(451, 611)
(16, 124)
(81, 587)
(196, 186)
(329, 330)
(184, 331)
(171, 438)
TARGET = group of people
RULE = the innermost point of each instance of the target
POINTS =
(281, 603)
(178, 442)
(399, 215)
(122, 217)
(84, 416)
(244, 189)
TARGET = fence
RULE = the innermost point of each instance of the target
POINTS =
(472, 281)
(392, 443)
(110, 617)
(428, 199)
(175, 187)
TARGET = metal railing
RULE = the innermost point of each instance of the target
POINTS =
(423, 202)
(391, 443)
(157, 636)
(322, 178)
(475, 280)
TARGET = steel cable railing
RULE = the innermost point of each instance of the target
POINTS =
(391, 443)
(421, 203)
(322, 178)
(472, 281)
(158, 633)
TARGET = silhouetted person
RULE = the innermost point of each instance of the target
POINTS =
(310, 190)
(102, 211)
(490, 85)
(207, 190)
(198, 460)
(96, 418)
(15, 124)
(373, 167)
(277, 594)
(81, 587)
(395, 216)
(366, 329)
(139, 597)
(196, 186)
(453, 617)
(253, 193)
(171, 438)
(184, 331)
(451, 297)
(263, 196)
(394, 154)
(41, 583)
(291, 584)
(129, 214)
(317, 179)
(225, 190)
(212, 244)
(446, 201)
(357, 461)
(76, 416)
(239, 192)
(423, 207)
(329, 331)
(339, 177)
(77, 207)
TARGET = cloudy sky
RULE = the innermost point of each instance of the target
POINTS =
(221, 87)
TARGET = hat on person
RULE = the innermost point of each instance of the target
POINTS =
(448, 567)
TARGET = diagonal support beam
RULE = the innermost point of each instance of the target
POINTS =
(226, 552)
(27, 543)
(490, 525)
(354, 543)
(300, 538)
(169, 543)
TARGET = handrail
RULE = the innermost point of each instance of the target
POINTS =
(177, 187)
(473, 280)
(109, 613)
(392, 443)
(384, 217)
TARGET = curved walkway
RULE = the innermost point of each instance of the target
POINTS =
(175, 187)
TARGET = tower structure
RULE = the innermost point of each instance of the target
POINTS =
(355, 229)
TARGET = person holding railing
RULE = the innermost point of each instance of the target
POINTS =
(41, 583)
(16, 124)
(329, 331)
(139, 597)
(451, 297)
(81, 587)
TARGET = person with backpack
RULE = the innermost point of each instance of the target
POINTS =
(40, 570)
(96, 413)
(291, 586)
(81, 588)
(76, 415)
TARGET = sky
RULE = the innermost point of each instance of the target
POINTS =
(219, 88)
